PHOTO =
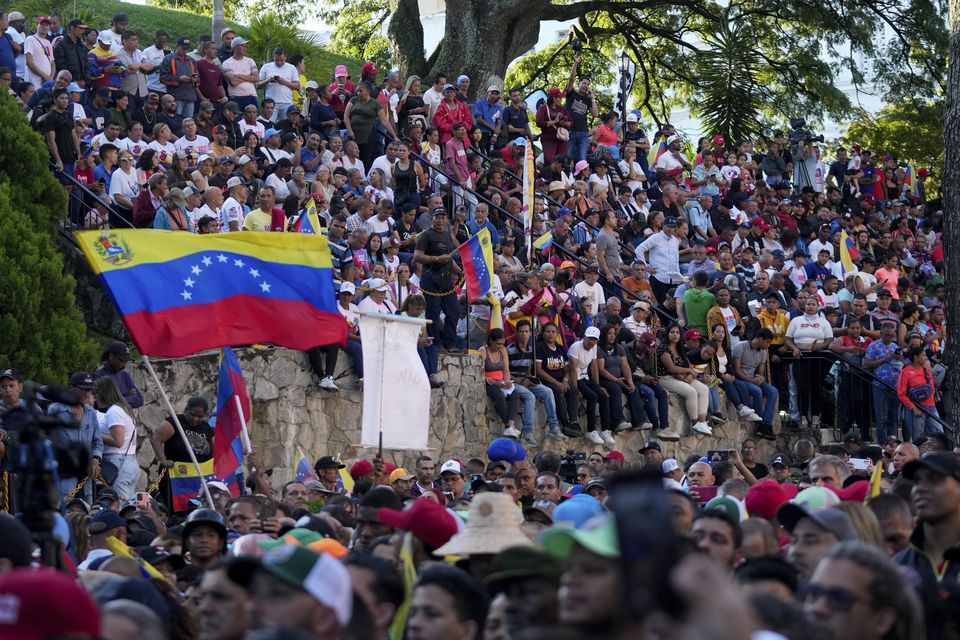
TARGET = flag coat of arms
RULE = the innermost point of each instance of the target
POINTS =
(180, 293)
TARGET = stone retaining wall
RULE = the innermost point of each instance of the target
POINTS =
(290, 414)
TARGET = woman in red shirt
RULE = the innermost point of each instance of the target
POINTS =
(915, 389)
(551, 117)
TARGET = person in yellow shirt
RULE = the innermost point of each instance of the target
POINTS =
(265, 217)
(772, 318)
(298, 95)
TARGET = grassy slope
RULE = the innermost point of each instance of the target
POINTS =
(145, 20)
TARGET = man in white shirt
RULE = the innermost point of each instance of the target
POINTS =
(18, 34)
(583, 354)
(249, 121)
(39, 66)
(117, 26)
(280, 79)
(661, 253)
(385, 163)
(672, 163)
(232, 212)
(191, 143)
(154, 55)
(278, 179)
(590, 289)
(434, 95)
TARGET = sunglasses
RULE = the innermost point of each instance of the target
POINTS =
(839, 600)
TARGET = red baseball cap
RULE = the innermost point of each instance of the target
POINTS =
(718, 139)
(692, 334)
(360, 468)
(36, 604)
(369, 69)
(764, 498)
(425, 519)
(614, 455)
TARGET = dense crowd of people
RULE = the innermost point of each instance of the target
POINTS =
(748, 280)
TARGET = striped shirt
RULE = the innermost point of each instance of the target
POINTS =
(664, 255)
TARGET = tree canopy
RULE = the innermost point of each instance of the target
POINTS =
(735, 64)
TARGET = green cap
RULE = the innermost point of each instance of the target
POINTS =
(299, 536)
(728, 505)
(523, 562)
(597, 535)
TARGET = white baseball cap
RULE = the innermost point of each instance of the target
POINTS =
(105, 36)
(451, 466)
(592, 332)
(672, 139)
(632, 117)
(235, 181)
(378, 284)
(669, 466)
(347, 287)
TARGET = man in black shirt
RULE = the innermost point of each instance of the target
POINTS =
(515, 118)
(579, 103)
(435, 250)
(147, 115)
(62, 140)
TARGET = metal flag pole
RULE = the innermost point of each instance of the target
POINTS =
(176, 422)
(243, 425)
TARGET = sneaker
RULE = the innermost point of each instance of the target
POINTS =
(607, 437)
(716, 418)
(572, 430)
(435, 383)
(594, 437)
(765, 431)
(646, 426)
(327, 384)
(528, 440)
(511, 432)
(667, 434)
(703, 427)
(556, 434)
(745, 412)
(814, 422)
(623, 426)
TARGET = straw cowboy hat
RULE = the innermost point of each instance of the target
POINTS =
(493, 525)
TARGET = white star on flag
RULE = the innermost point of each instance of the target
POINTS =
(222, 258)
(195, 269)
(254, 273)
(265, 286)
(206, 261)
(238, 263)
(188, 282)
(186, 295)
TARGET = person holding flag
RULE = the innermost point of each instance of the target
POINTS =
(170, 449)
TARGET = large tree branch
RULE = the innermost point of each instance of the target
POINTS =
(406, 33)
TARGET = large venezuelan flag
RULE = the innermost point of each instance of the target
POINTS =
(477, 256)
(180, 293)
(185, 482)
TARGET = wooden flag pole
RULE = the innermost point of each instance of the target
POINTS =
(183, 436)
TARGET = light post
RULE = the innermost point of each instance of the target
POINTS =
(628, 69)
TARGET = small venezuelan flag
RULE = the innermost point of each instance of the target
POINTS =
(477, 256)
(185, 482)
(180, 293)
(544, 242)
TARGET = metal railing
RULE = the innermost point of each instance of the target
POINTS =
(81, 199)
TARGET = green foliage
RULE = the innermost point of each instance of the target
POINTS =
(267, 32)
(358, 30)
(912, 131)
(200, 7)
(730, 98)
(44, 333)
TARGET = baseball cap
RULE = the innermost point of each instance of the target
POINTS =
(523, 562)
(781, 460)
(73, 87)
(425, 519)
(341, 71)
(592, 332)
(567, 264)
(369, 69)
(44, 19)
(400, 474)
(493, 87)
(577, 511)
(45, 603)
(942, 462)
(13, 16)
(449, 87)
(598, 536)
(216, 485)
(347, 287)
(632, 117)
(119, 349)
(378, 284)
(81, 380)
(651, 444)
(105, 520)
(319, 574)
(293, 109)
(157, 556)
(235, 181)
(765, 498)
(271, 132)
(12, 373)
(670, 222)
(105, 36)
(183, 41)
(692, 334)
(669, 466)
(614, 455)
(506, 449)
(451, 466)
(360, 468)
(672, 139)
(830, 519)
(329, 462)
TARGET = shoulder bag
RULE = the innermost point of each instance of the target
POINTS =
(563, 134)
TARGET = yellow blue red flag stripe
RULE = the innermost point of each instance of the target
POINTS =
(180, 293)
(477, 256)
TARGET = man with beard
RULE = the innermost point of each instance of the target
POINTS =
(221, 607)
(528, 578)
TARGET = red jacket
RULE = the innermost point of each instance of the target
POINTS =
(911, 377)
(447, 116)
(143, 210)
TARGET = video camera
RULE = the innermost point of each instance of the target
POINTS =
(569, 464)
(801, 134)
(38, 461)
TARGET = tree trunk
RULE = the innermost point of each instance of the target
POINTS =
(951, 209)
(481, 38)
(218, 21)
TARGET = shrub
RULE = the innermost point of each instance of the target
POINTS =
(43, 332)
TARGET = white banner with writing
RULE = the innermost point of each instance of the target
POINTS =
(396, 390)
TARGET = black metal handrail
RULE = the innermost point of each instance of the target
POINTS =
(62, 175)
